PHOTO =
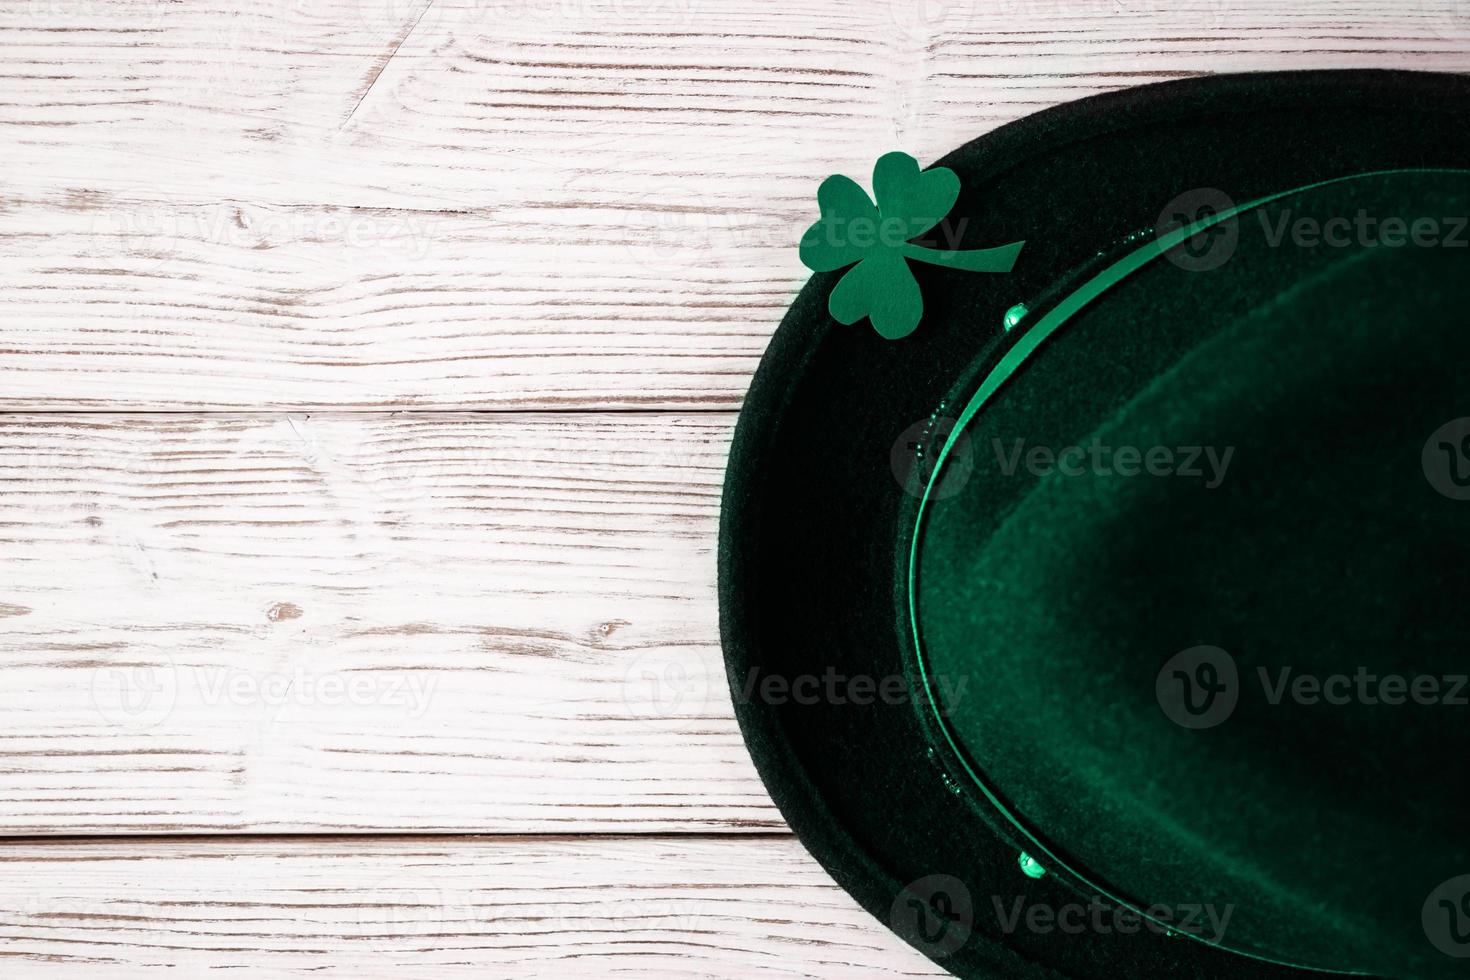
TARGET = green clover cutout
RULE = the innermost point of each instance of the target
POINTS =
(877, 240)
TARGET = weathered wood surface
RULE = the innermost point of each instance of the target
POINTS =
(509, 907)
(512, 203)
(493, 623)
(320, 616)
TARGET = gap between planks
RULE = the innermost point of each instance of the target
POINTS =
(669, 909)
(407, 837)
(341, 412)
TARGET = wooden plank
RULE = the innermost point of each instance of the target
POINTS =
(458, 204)
(493, 623)
(656, 908)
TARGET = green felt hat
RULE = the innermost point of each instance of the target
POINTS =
(1095, 551)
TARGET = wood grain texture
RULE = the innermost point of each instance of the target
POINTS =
(455, 623)
(666, 909)
(363, 622)
(452, 204)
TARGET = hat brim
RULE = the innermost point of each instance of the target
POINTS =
(813, 537)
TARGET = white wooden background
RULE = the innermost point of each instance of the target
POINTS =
(367, 369)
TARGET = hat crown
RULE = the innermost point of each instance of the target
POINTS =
(1205, 587)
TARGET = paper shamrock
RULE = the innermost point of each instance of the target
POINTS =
(879, 239)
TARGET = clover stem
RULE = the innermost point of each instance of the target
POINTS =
(998, 259)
